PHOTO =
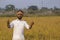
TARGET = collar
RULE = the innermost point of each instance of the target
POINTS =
(19, 20)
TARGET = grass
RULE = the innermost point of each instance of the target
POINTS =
(45, 28)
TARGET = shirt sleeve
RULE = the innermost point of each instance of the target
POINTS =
(12, 24)
(26, 25)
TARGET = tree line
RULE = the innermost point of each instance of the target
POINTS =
(32, 10)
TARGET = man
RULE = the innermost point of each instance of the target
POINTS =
(18, 25)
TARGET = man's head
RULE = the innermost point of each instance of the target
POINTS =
(19, 14)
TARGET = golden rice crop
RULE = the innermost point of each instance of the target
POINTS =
(44, 28)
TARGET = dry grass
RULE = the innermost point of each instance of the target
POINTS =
(45, 28)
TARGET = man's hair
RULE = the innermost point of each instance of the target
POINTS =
(20, 11)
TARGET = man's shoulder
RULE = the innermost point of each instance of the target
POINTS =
(14, 20)
(18, 20)
(24, 21)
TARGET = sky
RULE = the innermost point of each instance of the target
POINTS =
(27, 3)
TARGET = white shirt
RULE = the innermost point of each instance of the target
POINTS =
(18, 31)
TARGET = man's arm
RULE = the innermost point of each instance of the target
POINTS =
(8, 23)
(31, 25)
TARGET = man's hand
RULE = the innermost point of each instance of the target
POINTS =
(8, 24)
(32, 23)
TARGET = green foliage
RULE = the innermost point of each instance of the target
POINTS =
(31, 11)
(6, 15)
(9, 7)
(33, 8)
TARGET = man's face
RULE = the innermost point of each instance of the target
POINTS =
(19, 15)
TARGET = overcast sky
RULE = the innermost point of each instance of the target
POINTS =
(27, 3)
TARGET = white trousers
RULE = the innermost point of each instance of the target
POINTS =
(17, 39)
(21, 38)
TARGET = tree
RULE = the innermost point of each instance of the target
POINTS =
(44, 9)
(9, 7)
(0, 9)
(56, 10)
(33, 8)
